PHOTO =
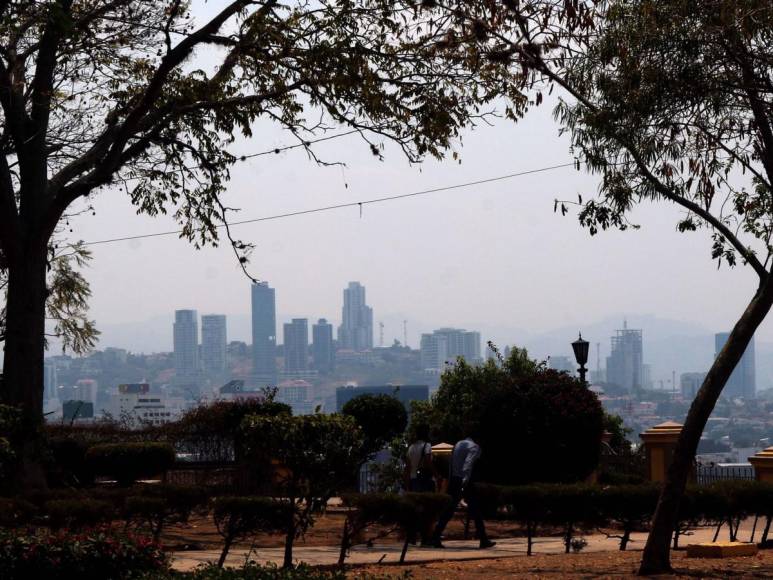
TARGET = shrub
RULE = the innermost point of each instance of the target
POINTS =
(68, 465)
(412, 513)
(77, 513)
(524, 415)
(239, 517)
(381, 418)
(96, 555)
(212, 432)
(128, 462)
(318, 455)
(160, 505)
(16, 512)
(630, 507)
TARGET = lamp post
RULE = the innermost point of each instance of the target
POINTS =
(580, 348)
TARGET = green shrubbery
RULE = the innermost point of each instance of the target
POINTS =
(307, 459)
(241, 517)
(128, 462)
(525, 417)
(381, 418)
(414, 514)
(93, 555)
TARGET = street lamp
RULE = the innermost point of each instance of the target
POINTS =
(580, 348)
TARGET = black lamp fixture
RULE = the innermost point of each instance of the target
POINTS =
(580, 348)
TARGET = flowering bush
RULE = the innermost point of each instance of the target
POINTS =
(94, 555)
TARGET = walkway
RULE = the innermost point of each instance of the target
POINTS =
(389, 553)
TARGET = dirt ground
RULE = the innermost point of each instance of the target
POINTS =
(599, 565)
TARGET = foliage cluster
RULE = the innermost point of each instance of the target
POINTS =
(93, 555)
(308, 459)
(381, 418)
(524, 415)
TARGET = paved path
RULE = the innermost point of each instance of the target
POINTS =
(455, 550)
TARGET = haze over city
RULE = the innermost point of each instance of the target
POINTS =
(494, 257)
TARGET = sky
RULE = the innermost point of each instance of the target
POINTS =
(493, 257)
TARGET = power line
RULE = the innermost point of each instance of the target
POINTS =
(359, 204)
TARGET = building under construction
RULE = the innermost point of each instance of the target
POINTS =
(625, 363)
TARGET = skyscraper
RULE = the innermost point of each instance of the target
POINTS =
(296, 344)
(213, 343)
(186, 346)
(445, 345)
(625, 363)
(324, 353)
(743, 382)
(356, 330)
(264, 333)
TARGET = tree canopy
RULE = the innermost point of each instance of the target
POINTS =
(666, 101)
(148, 99)
(381, 418)
(533, 423)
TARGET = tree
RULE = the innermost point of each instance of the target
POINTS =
(524, 415)
(381, 418)
(147, 97)
(311, 458)
(667, 101)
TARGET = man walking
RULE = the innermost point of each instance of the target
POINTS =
(463, 459)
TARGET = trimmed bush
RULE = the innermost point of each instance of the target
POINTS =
(16, 512)
(413, 513)
(310, 459)
(629, 507)
(159, 505)
(237, 518)
(77, 513)
(96, 555)
(128, 462)
(68, 465)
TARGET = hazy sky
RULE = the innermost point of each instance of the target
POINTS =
(493, 256)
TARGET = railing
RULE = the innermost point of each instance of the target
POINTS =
(707, 473)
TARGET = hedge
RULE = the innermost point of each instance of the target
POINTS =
(240, 517)
(413, 514)
(128, 462)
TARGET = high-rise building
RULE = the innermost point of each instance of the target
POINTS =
(213, 343)
(264, 333)
(689, 383)
(445, 345)
(296, 344)
(356, 330)
(186, 346)
(323, 348)
(743, 382)
(625, 363)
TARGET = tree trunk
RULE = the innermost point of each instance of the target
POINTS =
(224, 554)
(656, 557)
(22, 385)
(289, 539)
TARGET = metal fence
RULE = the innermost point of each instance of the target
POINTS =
(707, 473)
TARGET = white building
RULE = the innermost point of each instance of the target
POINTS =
(445, 345)
(134, 401)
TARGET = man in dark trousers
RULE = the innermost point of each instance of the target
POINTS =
(463, 459)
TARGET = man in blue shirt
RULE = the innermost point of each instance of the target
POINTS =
(461, 486)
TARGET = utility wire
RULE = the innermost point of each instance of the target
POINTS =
(359, 204)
